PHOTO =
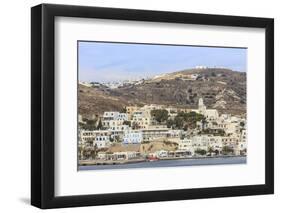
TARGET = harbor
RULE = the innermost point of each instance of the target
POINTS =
(88, 165)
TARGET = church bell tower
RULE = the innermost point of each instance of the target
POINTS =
(201, 106)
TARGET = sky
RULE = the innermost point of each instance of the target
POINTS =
(110, 62)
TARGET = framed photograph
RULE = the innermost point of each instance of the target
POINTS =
(136, 106)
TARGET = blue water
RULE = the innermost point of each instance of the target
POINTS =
(171, 163)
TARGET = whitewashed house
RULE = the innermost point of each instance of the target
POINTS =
(113, 118)
(100, 138)
(200, 142)
(154, 132)
(186, 145)
(132, 137)
(141, 119)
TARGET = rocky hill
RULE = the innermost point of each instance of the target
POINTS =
(222, 89)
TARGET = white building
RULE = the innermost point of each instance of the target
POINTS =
(119, 155)
(174, 133)
(86, 84)
(141, 119)
(110, 119)
(117, 132)
(201, 67)
(243, 136)
(215, 142)
(102, 141)
(100, 138)
(172, 111)
(200, 142)
(161, 153)
(186, 145)
(154, 132)
(150, 107)
(130, 110)
(80, 119)
(210, 114)
(132, 137)
(207, 142)
(193, 76)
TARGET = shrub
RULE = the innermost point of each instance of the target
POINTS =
(201, 151)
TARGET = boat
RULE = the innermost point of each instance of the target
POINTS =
(152, 158)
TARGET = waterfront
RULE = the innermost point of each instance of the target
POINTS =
(171, 163)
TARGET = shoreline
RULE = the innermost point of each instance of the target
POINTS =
(136, 161)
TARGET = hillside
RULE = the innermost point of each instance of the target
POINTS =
(222, 89)
(144, 148)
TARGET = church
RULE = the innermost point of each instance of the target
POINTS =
(210, 114)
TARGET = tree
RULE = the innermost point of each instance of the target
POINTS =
(186, 121)
(210, 150)
(201, 151)
(217, 152)
(99, 125)
(81, 152)
(179, 122)
(88, 124)
(94, 151)
(170, 123)
(128, 123)
(204, 122)
(160, 115)
(135, 125)
(227, 150)
(117, 138)
(191, 118)
(123, 110)
(91, 124)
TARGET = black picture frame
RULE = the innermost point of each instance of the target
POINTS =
(43, 102)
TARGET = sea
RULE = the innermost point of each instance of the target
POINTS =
(171, 163)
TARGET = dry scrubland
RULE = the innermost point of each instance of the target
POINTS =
(222, 89)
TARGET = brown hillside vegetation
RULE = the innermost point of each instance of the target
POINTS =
(222, 89)
(144, 148)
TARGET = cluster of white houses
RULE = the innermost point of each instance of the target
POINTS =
(136, 126)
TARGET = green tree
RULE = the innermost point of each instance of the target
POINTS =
(99, 125)
(94, 151)
(135, 125)
(117, 139)
(217, 152)
(170, 123)
(128, 123)
(160, 115)
(210, 150)
(179, 121)
(88, 124)
(190, 119)
(201, 151)
(91, 124)
(123, 110)
(204, 123)
(227, 150)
